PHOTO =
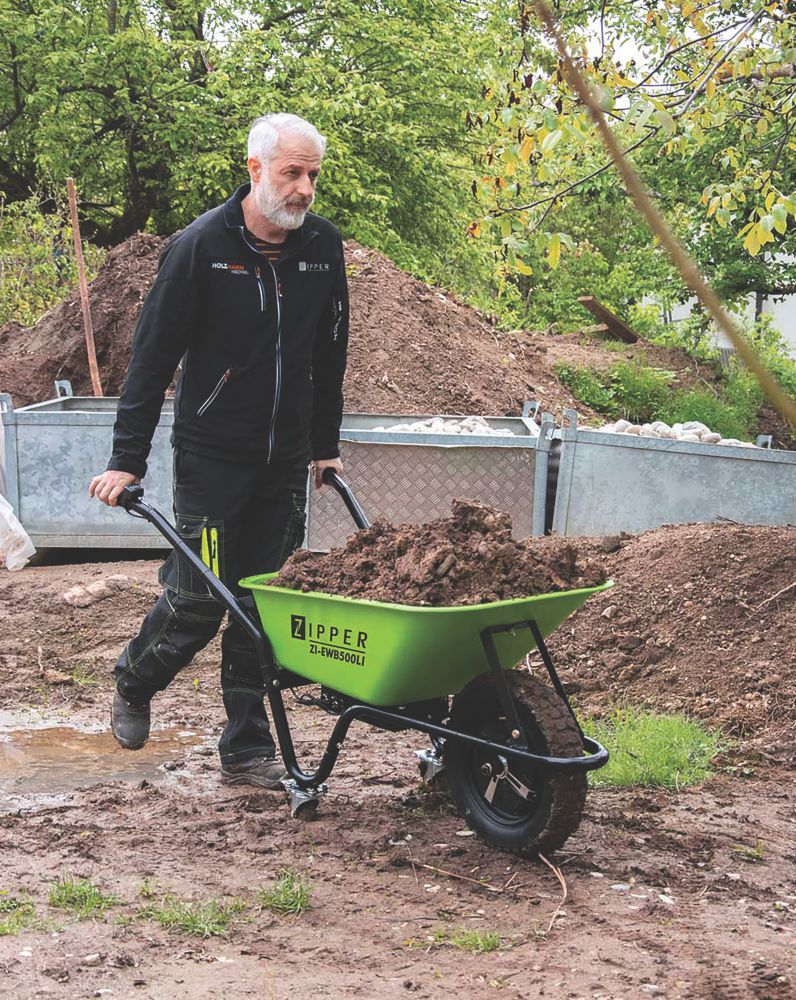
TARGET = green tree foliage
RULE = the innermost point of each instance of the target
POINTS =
(701, 93)
(37, 260)
(147, 105)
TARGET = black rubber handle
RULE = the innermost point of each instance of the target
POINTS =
(129, 496)
(331, 478)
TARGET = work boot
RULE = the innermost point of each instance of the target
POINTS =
(263, 771)
(129, 722)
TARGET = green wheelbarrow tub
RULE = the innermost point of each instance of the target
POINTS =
(395, 654)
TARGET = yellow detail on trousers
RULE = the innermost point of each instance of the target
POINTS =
(210, 549)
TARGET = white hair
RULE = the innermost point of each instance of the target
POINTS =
(266, 131)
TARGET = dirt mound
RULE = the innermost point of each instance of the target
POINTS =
(414, 348)
(701, 620)
(467, 558)
(55, 347)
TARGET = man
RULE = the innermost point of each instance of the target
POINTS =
(252, 299)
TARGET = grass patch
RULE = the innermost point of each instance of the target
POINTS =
(589, 386)
(476, 942)
(754, 855)
(149, 888)
(626, 389)
(718, 415)
(669, 751)
(290, 893)
(642, 394)
(17, 914)
(84, 676)
(80, 897)
(202, 919)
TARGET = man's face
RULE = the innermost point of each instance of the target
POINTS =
(284, 188)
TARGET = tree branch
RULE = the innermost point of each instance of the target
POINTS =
(574, 184)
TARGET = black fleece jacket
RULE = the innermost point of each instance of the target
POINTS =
(263, 347)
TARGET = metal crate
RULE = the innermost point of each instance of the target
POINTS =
(407, 478)
(52, 452)
(607, 483)
(54, 448)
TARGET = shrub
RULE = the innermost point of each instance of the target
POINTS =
(37, 260)
(640, 392)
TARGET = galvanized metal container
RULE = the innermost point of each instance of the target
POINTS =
(54, 448)
(409, 477)
(606, 483)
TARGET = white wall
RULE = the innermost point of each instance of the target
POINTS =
(782, 310)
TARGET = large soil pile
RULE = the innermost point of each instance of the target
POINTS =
(467, 558)
(414, 349)
(702, 619)
(55, 348)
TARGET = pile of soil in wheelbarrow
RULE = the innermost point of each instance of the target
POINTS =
(467, 558)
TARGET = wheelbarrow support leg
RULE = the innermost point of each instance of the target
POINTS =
(431, 765)
(551, 670)
(303, 801)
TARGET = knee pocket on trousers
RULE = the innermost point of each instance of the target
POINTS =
(239, 662)
(205, 538)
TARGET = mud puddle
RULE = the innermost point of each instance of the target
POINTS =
(43, 765)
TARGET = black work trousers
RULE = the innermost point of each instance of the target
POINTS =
(241, 520)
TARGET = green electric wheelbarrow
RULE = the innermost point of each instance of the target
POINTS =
(508, 748)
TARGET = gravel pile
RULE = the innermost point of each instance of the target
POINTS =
(449, 425)
(692, 430)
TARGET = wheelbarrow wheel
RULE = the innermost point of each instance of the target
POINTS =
(515, 807)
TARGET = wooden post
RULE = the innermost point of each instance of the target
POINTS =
(82, 284)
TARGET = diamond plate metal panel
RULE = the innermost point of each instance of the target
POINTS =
(415, 483)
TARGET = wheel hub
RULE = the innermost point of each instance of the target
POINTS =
(500, 772)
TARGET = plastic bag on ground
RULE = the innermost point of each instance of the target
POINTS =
(15, 545)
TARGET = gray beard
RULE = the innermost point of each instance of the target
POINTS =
(274, 208)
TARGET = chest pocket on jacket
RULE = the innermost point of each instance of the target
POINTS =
(237, 295)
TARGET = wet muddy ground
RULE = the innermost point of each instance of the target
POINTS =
(688, 895)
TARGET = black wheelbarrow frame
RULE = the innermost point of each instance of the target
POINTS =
(304, 787)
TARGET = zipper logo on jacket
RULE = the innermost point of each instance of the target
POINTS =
(225, 265)
(306, 265)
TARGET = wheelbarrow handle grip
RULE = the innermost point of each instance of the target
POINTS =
(331, 478)
(129, 496)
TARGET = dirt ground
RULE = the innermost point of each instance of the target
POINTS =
(688, 895)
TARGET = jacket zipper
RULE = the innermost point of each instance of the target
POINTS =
(278, 388)
(214, 394)
(338, 315)
(261, 291)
